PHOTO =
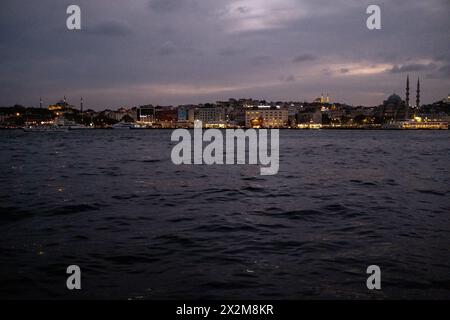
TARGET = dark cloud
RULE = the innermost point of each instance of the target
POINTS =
(305, 57)
(288, 78)
(230, 51)
(128, 52)
(110, 28)
(327, 72)
(243, 10)
(163, 6)
(167, 49)
(261, 60)
(442, 73)
(173, 6)
(412, 67)
(445, 70)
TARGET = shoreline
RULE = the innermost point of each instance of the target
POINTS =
(293, 129)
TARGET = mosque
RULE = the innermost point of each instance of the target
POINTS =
(399, 114)
(322, 99)
(395, 109)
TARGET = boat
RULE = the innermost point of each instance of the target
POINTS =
(78, 126)
(428, 125)
(51, 128)
(122, 125)
(417, 124)
(60, 124)
(139, 127)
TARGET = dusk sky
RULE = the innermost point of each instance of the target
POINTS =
(172, 52)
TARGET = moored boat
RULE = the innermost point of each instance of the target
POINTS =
(122, 125)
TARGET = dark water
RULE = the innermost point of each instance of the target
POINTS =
(139, 227)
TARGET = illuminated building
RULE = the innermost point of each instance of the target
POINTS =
(186, 113)
(211, 117)
(146, 114)
(266, 118)
(322, 99)
(62, 107)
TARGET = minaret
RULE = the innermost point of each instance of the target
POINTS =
(81, 108)
(418, 95)
(407, 98)
(321, 98)
(328, 98)
(40, 103)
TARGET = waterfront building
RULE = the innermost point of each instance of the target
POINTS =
(3, 118)
(159, 116)
(309, 120)
(166, 117)
(235, 116)
(211, 116)
(266, 117)
(146, 114)
(186, 115)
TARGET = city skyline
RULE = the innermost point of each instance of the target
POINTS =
(180, 52)
(394, 113)
(323, 98)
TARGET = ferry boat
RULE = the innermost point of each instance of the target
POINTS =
(61, 124)
(430, 125)
(417, 124)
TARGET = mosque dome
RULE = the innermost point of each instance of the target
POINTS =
(394, 99)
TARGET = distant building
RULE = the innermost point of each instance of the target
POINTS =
(235, 116)
(211, 116)
(266, 118)
(146, 114)
(166, 115)
(322, 99)
(310, 117)
(122, 113)
(336, 113)
(61, 105)
(186, 113)
(393, 109)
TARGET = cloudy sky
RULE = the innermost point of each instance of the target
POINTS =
(192, 51)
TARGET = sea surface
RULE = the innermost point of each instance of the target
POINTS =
(140, 227)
